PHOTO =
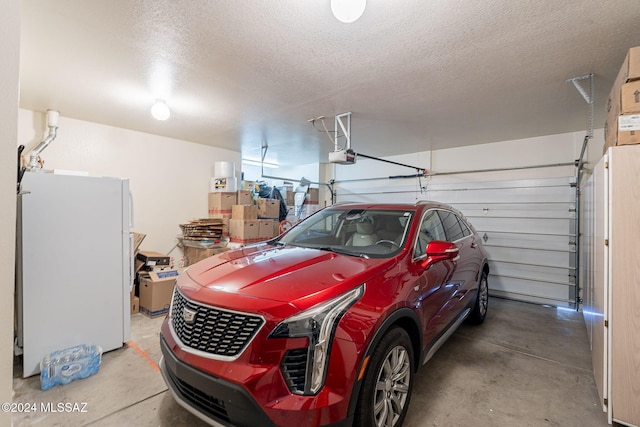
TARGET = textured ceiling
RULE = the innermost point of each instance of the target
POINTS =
(417, 75)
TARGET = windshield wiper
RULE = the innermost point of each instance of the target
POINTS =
(342, 251)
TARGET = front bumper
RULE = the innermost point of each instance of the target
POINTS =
(211, 399)
(222, 403)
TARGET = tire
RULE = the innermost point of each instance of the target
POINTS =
(388, 382)
(479, 311)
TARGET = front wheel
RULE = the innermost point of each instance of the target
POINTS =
(482, 301)
(386, 390)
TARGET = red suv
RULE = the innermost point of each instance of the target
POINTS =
(327, 323)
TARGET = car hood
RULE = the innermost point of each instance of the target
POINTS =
(299, 276)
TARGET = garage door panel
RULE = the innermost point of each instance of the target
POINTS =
(539, 184)
(537, 257)
(542, 273)
(527, 211)
(529, 290)
(528, 241)
(519, 195)
(528, 225)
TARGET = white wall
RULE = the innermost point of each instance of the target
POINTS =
(9, 67)
(169, 178)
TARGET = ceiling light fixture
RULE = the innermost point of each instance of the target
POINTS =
(160, 110)
(348, 11)
(259, 163)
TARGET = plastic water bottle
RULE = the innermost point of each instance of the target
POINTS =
(65, 366)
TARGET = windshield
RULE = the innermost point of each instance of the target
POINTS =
(359, 232)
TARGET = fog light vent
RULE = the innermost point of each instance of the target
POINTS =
(294, 369)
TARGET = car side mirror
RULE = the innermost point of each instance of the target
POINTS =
(438, 250)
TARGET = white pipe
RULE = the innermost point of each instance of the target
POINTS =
(52, 124)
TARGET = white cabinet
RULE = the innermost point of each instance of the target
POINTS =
(611, 291)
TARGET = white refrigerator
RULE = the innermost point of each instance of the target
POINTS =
(74, 265)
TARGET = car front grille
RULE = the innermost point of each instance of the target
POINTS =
(220, 333)
(294, 369)
(210, 405)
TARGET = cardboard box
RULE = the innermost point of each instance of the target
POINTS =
(290, 198)
(224, 216)
(266, 228)
(611, 123)
(622, 130)
(630, 69)
(268, 208)
(248, 185)
(193, 255)
(137, 240)
(622, 101)
(630, 97)
(156, 290)
(225, 222)
(244, 231)
(244, 212)
(221, 202)
(135, 305)
(314, 196)
(245, 197)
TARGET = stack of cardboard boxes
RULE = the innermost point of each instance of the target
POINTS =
(623, 105)
(155, 281)
(243, 226)
(314, 196)
(193, 254)
(248, 222)
(202, 238)
(268, 218)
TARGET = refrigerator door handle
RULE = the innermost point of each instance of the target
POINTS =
(131, 262)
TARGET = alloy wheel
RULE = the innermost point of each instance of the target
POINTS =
(484, 296)
(392, 387)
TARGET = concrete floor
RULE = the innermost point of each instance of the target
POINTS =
(527, 365)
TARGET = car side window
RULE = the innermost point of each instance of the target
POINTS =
(452, 226)
(431, 228)
(465, 228)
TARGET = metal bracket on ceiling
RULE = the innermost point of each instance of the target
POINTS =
(346, 129)
(587, 95)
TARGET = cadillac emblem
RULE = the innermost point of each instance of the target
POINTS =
(189, 315)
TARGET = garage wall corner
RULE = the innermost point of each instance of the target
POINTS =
(9, 95)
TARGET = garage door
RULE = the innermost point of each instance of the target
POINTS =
(527, 226)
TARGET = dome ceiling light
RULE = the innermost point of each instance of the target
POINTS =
(348, 11)
(160, 110)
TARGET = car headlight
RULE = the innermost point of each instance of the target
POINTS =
(317, 323)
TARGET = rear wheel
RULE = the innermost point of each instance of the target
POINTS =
(482, 301)
(386, 390)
